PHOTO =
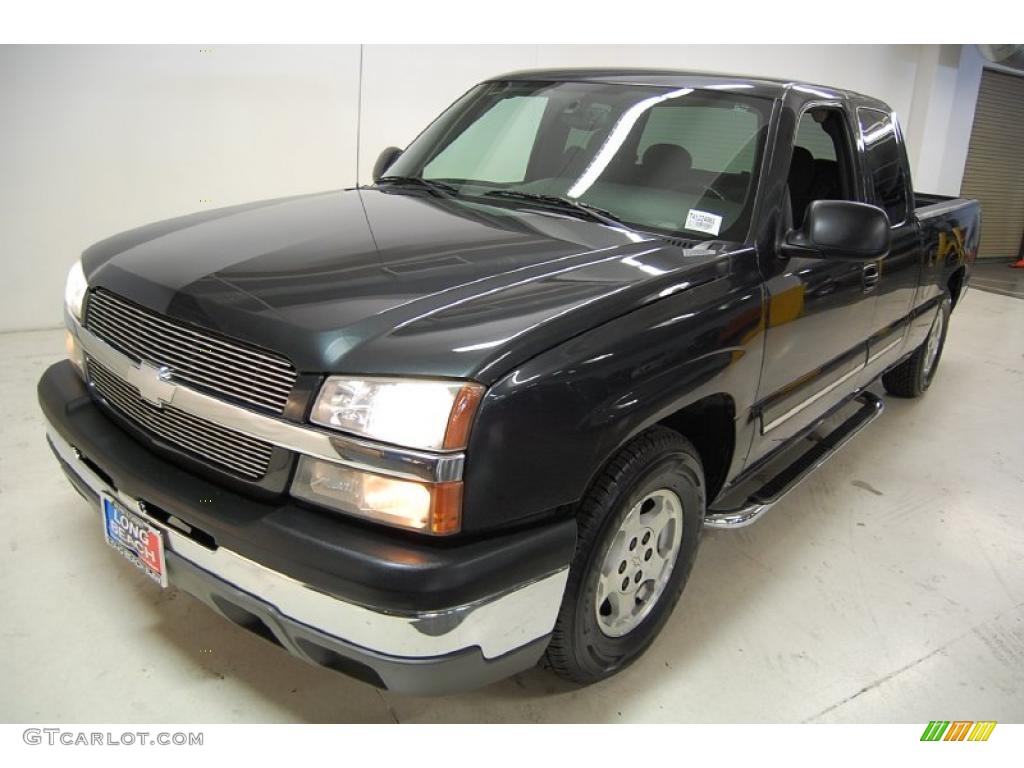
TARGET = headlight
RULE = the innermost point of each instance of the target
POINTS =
(74, 294)
(430, 415)
(429, 508)
(74, 291)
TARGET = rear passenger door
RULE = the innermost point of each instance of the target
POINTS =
(820, 308)
(884, 163)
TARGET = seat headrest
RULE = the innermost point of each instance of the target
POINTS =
(801, 170)
(667, 155)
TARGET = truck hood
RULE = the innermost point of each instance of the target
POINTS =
(374, 281)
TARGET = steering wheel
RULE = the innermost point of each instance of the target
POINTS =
(713, 191)
(707, 190)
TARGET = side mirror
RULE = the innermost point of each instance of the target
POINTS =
(840, 228)
(384, 161)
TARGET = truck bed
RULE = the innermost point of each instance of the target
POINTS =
(928, 206)
(926, 199)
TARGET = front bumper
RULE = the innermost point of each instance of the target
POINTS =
(427, 650)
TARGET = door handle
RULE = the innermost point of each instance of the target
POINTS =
(870, 275)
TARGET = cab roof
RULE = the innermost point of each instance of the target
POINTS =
(754, 86)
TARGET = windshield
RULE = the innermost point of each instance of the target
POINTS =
(679, 161)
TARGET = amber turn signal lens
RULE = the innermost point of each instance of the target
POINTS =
(75, 353)
(460, 421)
(445, 508)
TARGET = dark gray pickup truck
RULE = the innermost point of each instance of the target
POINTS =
(431, 431)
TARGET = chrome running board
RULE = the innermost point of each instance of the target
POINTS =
(761, 500)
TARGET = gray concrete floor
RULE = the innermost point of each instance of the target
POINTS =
(887, 588)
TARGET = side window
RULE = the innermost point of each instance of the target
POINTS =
(820, 168)
(585, 126)
(497, 147)
(884, 163)
(584, 122)
(811, 136)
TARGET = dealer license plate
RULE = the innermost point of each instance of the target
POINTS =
(138, 541)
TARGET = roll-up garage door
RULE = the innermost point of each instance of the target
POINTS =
(995, 164)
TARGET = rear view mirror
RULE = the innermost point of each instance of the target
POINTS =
(841, 228)
(384, 161)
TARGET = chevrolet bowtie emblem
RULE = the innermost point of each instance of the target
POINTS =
(154, 384)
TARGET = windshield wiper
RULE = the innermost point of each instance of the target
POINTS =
(437, 187)
(591, 212)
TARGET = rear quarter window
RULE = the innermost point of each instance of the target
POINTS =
(883, 154)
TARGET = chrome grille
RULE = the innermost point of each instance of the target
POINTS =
(194, 357)
(230, 450)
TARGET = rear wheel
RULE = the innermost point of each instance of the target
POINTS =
(639, 529)
(913, 376)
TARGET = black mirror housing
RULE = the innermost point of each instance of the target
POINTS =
(843, 229)
(384, 161)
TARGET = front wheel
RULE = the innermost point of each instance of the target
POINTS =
(913, 376)
(639, 529)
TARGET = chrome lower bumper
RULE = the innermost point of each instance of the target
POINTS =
(495, 627)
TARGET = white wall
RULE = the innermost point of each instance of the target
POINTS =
(97, 139)
(938, 127)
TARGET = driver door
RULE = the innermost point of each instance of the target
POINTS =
(819, 309)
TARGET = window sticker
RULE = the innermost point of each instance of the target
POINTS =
(702, 221)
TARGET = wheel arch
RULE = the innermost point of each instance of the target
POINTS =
(956, 284)
(709, 423)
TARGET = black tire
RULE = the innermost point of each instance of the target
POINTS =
(658, 459)
(913, 376)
